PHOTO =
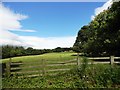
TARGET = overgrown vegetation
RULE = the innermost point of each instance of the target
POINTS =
(101, 37)
(84, 76)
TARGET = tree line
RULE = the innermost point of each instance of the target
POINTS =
(101, 37)
(13, 51)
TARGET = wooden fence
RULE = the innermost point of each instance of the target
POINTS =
(111, 59)
(37, 68)
(41, 69)
(102, 60)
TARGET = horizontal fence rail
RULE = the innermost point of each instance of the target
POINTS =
(46, 67)
(24, 72)
(14, 68)
(95, 58)
(102, 58)
(57, 70)
(111, 58)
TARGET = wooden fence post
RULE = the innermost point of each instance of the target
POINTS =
(43, 70)
(8, 68)
(111, 60)
(78, 60)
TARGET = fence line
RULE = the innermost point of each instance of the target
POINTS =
(112, 59)
(102, 58)
(43, 66)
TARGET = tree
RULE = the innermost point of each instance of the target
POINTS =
(102, 35)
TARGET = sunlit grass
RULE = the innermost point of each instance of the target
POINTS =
(35, 62)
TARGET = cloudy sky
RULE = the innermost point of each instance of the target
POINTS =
(45, 25)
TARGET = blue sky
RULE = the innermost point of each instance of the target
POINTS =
(54, 19)
(46, 24)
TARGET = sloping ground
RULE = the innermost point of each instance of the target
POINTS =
(51, 63)
(49, 56)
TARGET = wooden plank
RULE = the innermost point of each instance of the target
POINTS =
(117, 62)
(61, 64)
(70, 61)
(23, 72)
(38, 66)
(26, 67)
(57, 70)
(98, 58)
(78, 61)
(111, 60)
(34, 75)
(102, 57)
(106, 62)
(33, 63)
(56, 63)
(16, 63)
(8, 68)
(101, 62)
(15, 68)
(116, 57)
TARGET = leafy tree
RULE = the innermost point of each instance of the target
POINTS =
(101, 37)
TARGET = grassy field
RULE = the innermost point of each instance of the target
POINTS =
(49, 56)
(90, 76)
(34, 63)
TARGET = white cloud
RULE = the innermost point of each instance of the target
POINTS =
(7, 37)
(21, 30)
(50, 42)
(102, 8)
(10, 21)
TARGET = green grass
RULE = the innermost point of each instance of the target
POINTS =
(93, 76)
(87, 76)
(49, 59)
(49, 56)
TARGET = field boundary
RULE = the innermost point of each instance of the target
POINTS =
(11, 68)
(42, 67)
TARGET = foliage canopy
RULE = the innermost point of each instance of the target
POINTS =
(101, 37)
